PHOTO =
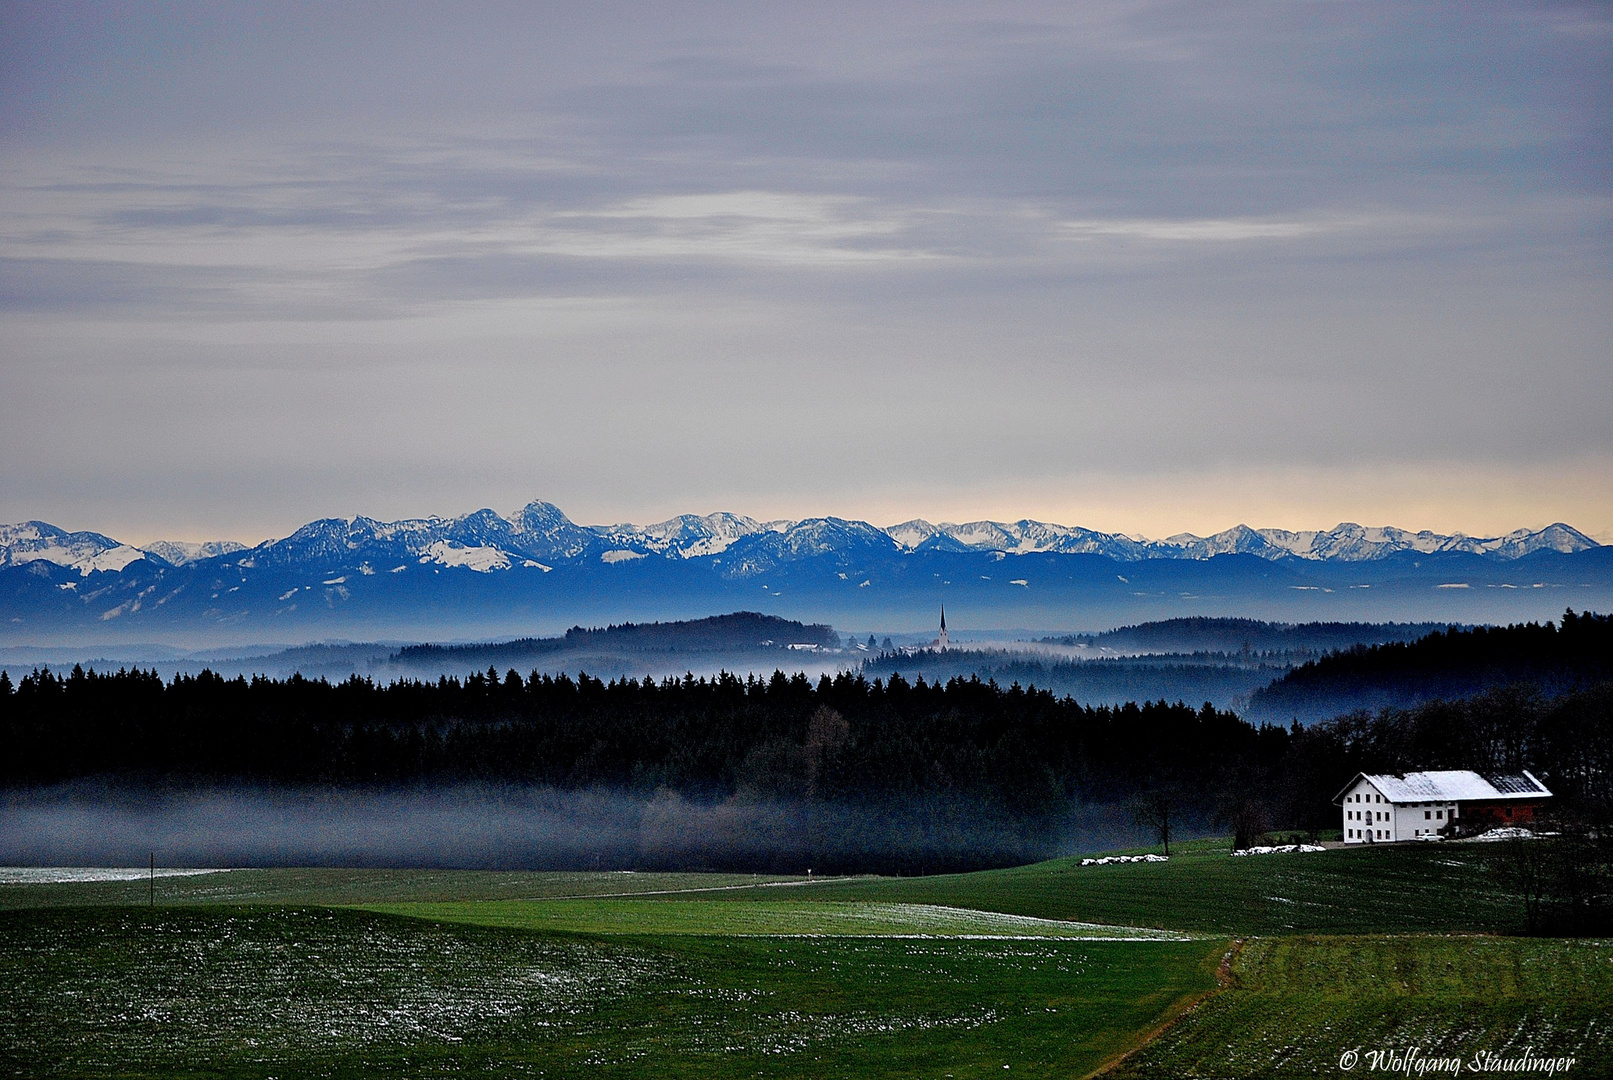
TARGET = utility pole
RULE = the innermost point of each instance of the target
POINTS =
(152, 902)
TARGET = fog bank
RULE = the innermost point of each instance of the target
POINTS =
(528, 829)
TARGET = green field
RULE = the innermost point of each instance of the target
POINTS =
(314, 992)
(1343, 891)
(1201, 890)
(1297, 1005)
(769, 918)
(1052, 970)
(319, 885)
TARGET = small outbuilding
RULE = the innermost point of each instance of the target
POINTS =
(1380, 808)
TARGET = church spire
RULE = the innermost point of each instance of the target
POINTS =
(941, 642)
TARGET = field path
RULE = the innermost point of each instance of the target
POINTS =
(1223, 980)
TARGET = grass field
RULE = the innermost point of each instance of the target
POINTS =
(772, 918)
(259, 973)
(1201, 889)
(321, 885)
(1297, 1005)
(313, 992)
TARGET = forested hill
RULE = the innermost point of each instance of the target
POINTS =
(736, 632)
(1206, 634)
(1448, 664)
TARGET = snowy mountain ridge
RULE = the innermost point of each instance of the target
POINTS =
(541, 536)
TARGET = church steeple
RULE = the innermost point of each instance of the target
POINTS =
(941, 642)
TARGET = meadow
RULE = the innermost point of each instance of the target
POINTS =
(1281, 963)
(1297, 1006)
(318, 992)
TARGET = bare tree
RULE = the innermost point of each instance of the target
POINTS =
(1156, 809)
(1521, 864)
(1248, 821)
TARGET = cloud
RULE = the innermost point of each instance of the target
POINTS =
(792, 256)
(1209, 230)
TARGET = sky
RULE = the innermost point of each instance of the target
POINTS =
(1134, 266)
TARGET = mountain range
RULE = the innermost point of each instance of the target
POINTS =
(540, 534)
(482, 573)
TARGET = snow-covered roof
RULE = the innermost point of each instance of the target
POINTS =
(1451, 785)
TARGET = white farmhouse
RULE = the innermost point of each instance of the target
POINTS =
(1384, 808)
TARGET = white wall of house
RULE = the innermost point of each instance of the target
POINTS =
(1369, 817)
(1413, 820)
(1367, 814)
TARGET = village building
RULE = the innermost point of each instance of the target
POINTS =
(1420, 805)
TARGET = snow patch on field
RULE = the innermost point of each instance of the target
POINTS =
(1110, 860)
(935, 920)
(1506, 832)
(62, 875)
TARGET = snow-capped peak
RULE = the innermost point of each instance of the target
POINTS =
(183, 552)
(687, 536)
(86, 552)
(539, 535)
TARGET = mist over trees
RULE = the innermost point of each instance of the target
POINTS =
(846, 739)
(963, 750)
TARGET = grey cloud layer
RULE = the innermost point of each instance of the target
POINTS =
(1115, 236)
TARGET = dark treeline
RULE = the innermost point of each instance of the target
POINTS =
(1207, 634)
(1447, 664)
(843, 739)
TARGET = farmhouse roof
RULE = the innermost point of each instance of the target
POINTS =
(1451, 785)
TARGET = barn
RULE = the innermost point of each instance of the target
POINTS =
(1381, 808)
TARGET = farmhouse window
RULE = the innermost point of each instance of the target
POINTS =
(1428, 815)
(1440, 814)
